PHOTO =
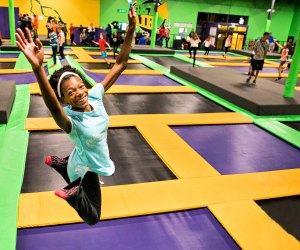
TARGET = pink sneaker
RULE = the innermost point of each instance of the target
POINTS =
(52, 160)
(65, 194)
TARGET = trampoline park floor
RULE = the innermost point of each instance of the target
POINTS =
(174, 152)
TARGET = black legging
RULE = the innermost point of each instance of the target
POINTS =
(207, 49)
(61, 51)
(194, 49)
(87, 200)
(54, 52)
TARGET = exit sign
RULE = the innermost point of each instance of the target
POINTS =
(121, 11)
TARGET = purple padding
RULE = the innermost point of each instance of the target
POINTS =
(100, 57)
(9, 55)
(196, 229)
(19, 78)
(238, 149)
(141, 80)
(199, 52)
(65, 49)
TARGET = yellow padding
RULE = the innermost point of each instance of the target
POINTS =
(8, 59)
(35, 89)
(221, 57)
(14, 71)
(81, 53)
(180, 158)
(124, 89)
(251, 227)
(237, 64)
(297, 88)
(131, 72)
(47, 123)
(40, 209)
(273, 75)
(103, 61)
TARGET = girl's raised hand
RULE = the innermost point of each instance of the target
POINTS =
(132, 15)
(33, 52)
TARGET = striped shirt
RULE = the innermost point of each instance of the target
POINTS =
(261, 48)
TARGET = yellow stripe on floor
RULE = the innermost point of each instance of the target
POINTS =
(251, 227)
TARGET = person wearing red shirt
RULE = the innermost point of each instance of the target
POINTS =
(72, 29)
(102, 43)
(162, 34)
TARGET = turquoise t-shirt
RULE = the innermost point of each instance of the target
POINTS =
(89, 134)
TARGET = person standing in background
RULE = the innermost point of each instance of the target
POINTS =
(283, 58)
(207, 43)
(91, 33)
(35, 26)
(108, 33)
(261, 47)
(162, 34)
(168, 30)
(195, 40)
(271, 43)
(227, 45)
(53, 44)
(72, 30)
(61, 43)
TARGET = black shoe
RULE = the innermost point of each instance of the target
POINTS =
(248, 79)
(249, 73)
(254, 82)
(108, 66)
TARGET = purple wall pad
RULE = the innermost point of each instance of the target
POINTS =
(238, 149)
(141, 80)
(220, 53)
(9, 55)
(196, 229)
(4, 21)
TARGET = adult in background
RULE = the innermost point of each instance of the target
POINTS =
(161, 36)
(115, 43)
(271, 43)
(72, 30)
(108, 32)
(261, 47)
(35, 26)
(91, 33)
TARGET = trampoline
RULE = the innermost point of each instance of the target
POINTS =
(141, 80)
(195, 229)
(7, 65)
(167, 61)
(100, 57)
(285, 211)
(239, 149)
(264, 70)
(104, 66)
(116, 104)
(135, 160)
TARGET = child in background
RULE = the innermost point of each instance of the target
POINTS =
(251, 62)
(227, 45)
(195, 40)
(84, 120)
(283, 58)
(102, 43)
(53, 44)
(61, 43)
(207, 43)
(72, 30)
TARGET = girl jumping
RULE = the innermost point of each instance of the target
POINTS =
(84, 119)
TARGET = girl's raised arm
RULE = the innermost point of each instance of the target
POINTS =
(122, 59)
(35, 55)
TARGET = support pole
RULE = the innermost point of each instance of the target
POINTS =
(154, 26)
(292, 79)
(12, 25)
(270, 12)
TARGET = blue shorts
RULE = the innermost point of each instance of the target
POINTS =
(103, 54)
